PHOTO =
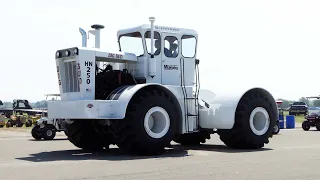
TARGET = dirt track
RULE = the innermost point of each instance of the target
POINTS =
(293, 154)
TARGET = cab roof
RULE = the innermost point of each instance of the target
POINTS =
(160, 29)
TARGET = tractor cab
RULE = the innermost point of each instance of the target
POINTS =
(164, 58)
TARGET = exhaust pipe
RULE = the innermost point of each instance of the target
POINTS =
(84, 37)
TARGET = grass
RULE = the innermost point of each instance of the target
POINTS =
(298, 119)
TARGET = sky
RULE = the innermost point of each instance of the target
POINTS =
(242, 44)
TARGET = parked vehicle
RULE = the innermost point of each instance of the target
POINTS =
(298, 108)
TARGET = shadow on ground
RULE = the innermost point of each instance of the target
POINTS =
(56, 139)
(115, 154)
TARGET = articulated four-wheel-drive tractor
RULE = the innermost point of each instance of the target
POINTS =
(148, 94)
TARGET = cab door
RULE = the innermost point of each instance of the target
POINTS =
(171, 65)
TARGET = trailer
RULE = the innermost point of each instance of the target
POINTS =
(148, 94)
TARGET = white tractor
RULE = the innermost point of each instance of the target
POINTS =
(148, 94)
(45, 127)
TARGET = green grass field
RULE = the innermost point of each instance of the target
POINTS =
(298, 119)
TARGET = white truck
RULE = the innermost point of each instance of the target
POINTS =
(148, 94)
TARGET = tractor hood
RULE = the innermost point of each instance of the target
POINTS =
(41, 120)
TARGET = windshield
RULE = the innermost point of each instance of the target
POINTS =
(131, 43)
(299, 103)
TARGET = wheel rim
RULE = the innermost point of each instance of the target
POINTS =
(259, 121)
(276, 128)
(49, 132)
(157, 122)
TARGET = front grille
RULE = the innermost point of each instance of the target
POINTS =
(71, 83)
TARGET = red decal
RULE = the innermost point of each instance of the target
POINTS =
(115, 56)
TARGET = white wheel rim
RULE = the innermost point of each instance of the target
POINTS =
(157, 122)
(275, 128)
(259, 121)
(49, 133)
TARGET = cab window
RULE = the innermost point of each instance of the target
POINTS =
(131, 43)
(171, 46)
(188, 46)
(156, 42)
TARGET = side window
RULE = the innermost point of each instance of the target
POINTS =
(171, 46)
(157, 42)
(188, 46)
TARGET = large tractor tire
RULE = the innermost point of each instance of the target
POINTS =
(150, 123)
(191, 139)
(36, 132)
(255, 118)
(84, 135)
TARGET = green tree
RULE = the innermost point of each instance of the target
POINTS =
(316, 102)
(305, 100)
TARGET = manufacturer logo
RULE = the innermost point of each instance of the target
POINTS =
(170, 67)
(90, 105)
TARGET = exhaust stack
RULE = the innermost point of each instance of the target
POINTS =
(84, 37)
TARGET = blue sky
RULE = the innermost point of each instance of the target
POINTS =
(241, 43)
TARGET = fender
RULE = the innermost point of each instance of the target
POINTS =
(217, 111)
(124, 94)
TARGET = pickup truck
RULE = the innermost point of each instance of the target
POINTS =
(298, 108)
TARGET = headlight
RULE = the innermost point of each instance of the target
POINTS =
(75, 51)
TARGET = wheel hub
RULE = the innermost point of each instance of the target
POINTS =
(259, 121)
(49, 132)
(157, 122)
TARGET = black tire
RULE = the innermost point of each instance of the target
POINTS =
(36, 132)
(130, 134)
(1, 126)
(306, 125)
(191, 139)
(83, 135)
(28, 123)
(241, 136)
(9, 124)
(19, 124)
(48, 132)
(318, 125)
(276, 129)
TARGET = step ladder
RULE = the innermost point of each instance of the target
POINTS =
(191, 103)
